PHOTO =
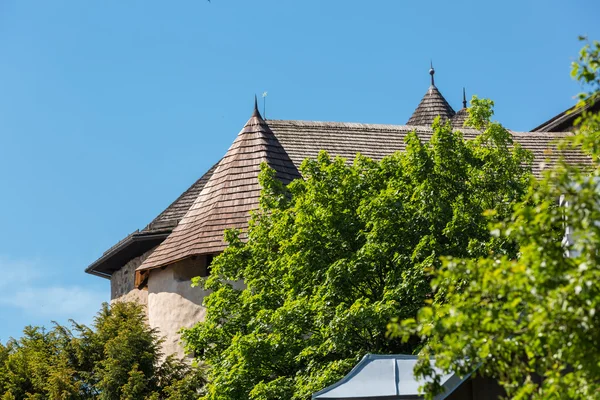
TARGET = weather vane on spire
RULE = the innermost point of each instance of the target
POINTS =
(264, 96)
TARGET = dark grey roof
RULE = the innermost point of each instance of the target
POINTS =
(566, 119)
(432, 105)
(133, 245)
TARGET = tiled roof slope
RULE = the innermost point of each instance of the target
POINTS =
(458, 120)
(233, 189)
(303, 139)
(432, 105)
(228, 196)
(171, 216)
(152, 235)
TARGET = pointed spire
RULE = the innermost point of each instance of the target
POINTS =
(256, 113)
(431, 72)
(464, 98)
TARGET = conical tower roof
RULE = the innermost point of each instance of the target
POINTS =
(228, 196)
(458, 120)
(432, 105)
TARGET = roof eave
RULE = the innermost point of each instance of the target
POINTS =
(566, 118)
(130, 247)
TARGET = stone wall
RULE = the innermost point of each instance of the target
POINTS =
(172, 302)
(122, 282)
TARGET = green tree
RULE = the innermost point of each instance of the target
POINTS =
(533, 321)
(587, 71)
(331, 258)
(118, 357)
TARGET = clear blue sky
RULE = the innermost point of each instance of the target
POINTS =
(110, 109)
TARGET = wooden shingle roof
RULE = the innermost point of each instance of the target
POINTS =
(227, 197)
(433, 104)
(171, 216)
(233, 189)
(194, 223)
(458, 120)
(152, 235)
(304, 139)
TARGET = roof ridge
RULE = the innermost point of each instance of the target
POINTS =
(359, 126)
(342, 124)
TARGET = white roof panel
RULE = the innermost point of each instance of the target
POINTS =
(384, 377)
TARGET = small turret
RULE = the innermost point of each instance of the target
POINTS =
(432, 105)
(458, 121)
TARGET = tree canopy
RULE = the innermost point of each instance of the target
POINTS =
(331, 258)
(533, 321)
(117, 358)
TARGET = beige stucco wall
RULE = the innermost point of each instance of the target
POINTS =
(122, 287)
(173, 303)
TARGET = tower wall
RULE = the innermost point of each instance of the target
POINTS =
(172, 302)
(122, 282)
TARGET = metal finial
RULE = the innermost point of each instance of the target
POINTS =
(431, 72)
(464, 99)
(256, 113)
